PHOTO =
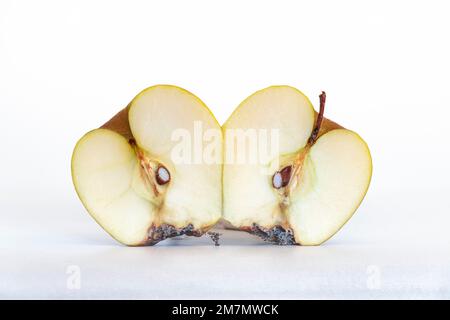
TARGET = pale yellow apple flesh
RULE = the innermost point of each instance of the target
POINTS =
(248, 193)
(329, 177)
(128, 181)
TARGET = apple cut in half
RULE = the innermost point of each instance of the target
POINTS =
(313, 180)
(128, 180)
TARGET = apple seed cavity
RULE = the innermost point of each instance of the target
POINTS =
(161, 174)
(294, 171)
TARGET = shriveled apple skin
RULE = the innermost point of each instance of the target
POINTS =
(119, 124)
(125, 197)
(291, 215)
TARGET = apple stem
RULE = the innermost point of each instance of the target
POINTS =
(315, 132)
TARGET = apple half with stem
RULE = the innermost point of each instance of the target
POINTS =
(311, 186)
(127, 179)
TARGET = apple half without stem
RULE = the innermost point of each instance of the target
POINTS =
(313, 184)
(126, 178)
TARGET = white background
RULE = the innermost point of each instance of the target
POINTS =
(67, 66)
